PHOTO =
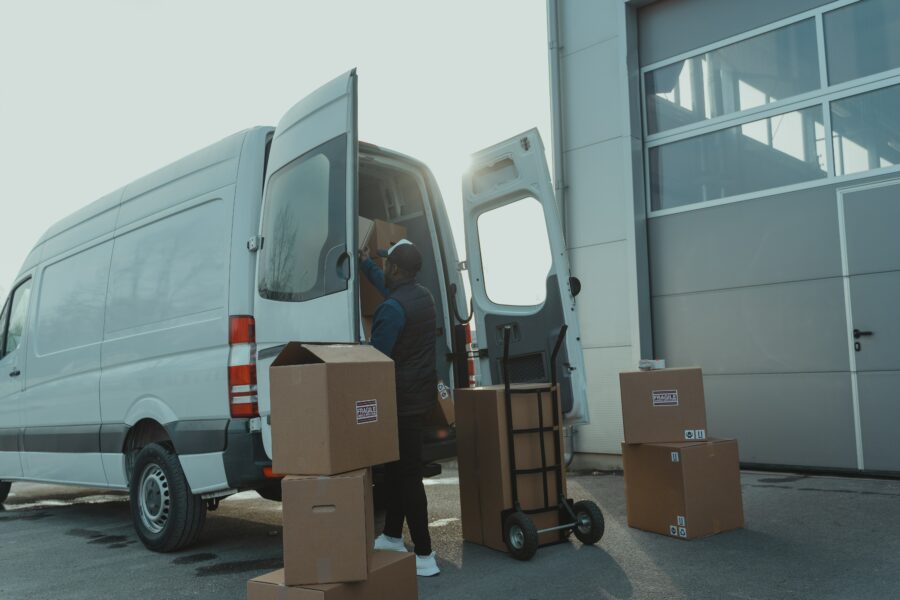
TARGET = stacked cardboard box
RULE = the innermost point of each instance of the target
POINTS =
(375, 235)
(678, 481)
(485, 483)
(334, 415)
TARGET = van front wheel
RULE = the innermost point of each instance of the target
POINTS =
(4, 490)
(166, 515)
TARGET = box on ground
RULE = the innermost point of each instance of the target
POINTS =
(380, 235)
(334, 409)
(683, 489)
(665, 405)
(329, 527)
(392, 577)
(442, 415)
(484, 468)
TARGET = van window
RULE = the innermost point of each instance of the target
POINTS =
(515, 253)
(71, 301)
(171, 268)
(304, 226)
(18, 311)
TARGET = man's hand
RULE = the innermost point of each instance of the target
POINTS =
(364, 254)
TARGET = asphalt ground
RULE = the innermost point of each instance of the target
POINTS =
(805, 537)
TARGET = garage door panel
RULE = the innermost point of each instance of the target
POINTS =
(879, 411)
(785, 419)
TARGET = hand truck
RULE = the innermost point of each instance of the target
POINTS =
(584, 518)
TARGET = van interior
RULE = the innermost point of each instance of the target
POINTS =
(392, 191)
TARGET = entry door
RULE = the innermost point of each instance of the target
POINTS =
(12, 377)
(871, 217)
(519, 269)
(306, 266)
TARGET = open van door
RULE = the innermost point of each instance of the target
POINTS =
(519, 269)
(306, 259)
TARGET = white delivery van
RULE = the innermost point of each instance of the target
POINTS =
(135, 341)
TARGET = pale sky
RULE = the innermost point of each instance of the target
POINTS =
(94, 94)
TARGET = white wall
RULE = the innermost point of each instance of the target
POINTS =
(600, 137)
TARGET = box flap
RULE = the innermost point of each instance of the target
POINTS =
(299, 353)
(273, 578)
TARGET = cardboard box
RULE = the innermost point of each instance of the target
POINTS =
(442, 415)
(484, 467)
(382, 235)
(392, 577)
(334, 409)
(683, 489)
(665, 405)
(329, 527)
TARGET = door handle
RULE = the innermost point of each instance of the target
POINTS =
(15, 372)
(858, 334)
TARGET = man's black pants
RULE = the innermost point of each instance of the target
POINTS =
(406, 498)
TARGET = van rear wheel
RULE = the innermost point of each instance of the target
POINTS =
(4, 490)
(166, 515)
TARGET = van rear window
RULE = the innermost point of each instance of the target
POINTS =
(304, 226)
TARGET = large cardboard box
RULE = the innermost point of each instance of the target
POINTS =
(334, 409)
(329, 527)
(392, 577)
(683, 489)
(380, 235)
(484, 467)
(663, 406)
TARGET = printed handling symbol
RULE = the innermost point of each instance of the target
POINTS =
(673, 530)
(688, 434)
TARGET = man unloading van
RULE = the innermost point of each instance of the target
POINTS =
(404, 328)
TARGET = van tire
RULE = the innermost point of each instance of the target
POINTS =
(166, 515)
(4, 490)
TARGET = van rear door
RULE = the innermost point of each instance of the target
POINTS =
(306, 267)
(519, 269)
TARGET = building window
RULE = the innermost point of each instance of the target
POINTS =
(866, 131)
(747, 74)
(766, 153)
(862, 39)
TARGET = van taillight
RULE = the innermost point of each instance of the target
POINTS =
(242, 393)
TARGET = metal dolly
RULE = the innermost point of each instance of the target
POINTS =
(583, 518)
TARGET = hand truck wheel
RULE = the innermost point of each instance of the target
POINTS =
(589, 522)
(520, 535)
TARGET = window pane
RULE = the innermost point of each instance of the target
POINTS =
(862, 39)
(515, 253)
(743, 75)
(767, 153)
(866, 131)
(17, 317)
(304, 224)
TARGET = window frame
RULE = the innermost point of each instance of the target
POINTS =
(7, 310)
(823, 96)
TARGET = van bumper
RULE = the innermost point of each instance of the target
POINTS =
(244, 456)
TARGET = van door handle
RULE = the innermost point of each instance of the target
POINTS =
(15, 372)
(858, 334)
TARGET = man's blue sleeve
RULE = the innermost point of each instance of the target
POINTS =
(386, 326)
(375, 276)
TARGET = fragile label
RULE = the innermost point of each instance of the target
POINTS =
(664, 397)
(366, 411)
(676, 457)
(681, 521)
(443, 390)
(695, 434)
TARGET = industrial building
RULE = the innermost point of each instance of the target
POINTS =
(729, 175)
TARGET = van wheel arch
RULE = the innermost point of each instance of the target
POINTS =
(142, 434)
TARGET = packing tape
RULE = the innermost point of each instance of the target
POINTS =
(323, 569)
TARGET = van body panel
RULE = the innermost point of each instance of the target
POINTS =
(204, 472)
(507, 173)
(114, 469)
(83, 226)
(74, 468)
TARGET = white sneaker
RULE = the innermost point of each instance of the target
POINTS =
(426, 566)
(386, 542)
